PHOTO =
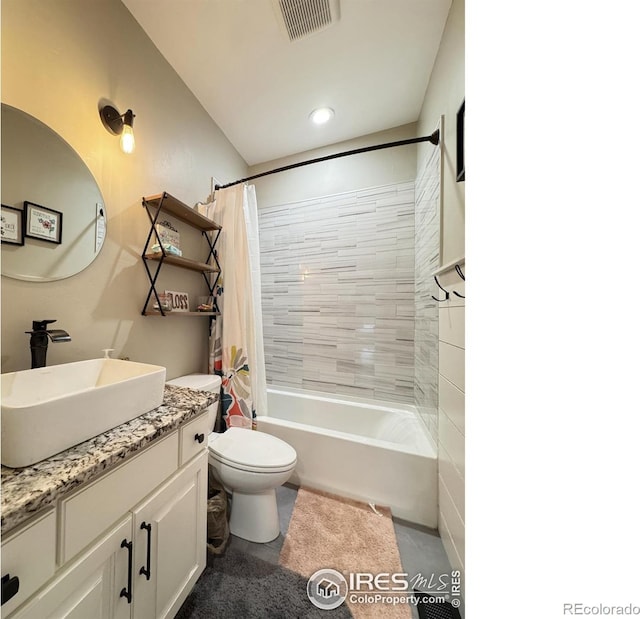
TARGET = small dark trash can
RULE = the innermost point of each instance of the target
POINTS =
(217, 516)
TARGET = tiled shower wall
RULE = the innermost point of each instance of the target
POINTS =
(427, 245)
(338, 293)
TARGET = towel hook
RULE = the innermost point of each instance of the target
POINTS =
(446, 292)
(462, 277)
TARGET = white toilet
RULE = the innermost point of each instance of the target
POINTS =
(250, 465)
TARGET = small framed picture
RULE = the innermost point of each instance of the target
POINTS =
(41, 222)
(12, 229)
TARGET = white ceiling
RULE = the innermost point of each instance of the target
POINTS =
(372, 67)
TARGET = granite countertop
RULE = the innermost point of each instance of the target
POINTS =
(29, 489)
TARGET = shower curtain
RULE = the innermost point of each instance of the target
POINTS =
(236, 348)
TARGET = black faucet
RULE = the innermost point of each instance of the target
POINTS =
(39, 341)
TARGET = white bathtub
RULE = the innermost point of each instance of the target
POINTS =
(359, 449)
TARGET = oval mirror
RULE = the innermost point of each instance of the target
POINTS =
(53, 216)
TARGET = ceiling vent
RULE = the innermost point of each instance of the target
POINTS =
(300, 18)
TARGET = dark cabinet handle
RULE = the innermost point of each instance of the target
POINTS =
(10, 586)
(199, 438)
(126, 591)
(146, 571)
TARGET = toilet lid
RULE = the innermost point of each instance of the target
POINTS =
(252, 449)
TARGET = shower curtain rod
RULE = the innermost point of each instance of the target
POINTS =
(434, 138)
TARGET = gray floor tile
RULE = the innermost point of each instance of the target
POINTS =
(421, 550)
(422, 555)
(286, 498)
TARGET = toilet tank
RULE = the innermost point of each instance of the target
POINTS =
(201, 382)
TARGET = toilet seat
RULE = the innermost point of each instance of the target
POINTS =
(251, 450)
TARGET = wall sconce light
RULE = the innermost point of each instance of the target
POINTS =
(119, 124)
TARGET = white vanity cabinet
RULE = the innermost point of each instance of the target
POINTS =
(95, 585)
(28, 560)
(130, 544)
(170, 549)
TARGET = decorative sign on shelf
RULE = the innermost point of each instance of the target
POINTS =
(179, 300)
(168, 235)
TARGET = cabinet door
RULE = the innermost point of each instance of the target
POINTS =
(29, 559)
(90, 511)
(170, 542)
(91, 586)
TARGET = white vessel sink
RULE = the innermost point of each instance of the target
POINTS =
(47, 410)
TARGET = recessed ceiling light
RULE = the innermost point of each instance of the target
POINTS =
(321, 115)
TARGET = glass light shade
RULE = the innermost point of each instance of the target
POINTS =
(321, 115)
(127, 141)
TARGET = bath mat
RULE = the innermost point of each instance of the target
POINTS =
(330, 532)
(237, 585)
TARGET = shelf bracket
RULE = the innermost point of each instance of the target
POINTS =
(153, 278)
(152, 289)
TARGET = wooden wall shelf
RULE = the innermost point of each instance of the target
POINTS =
(157, 313)
(167, 204)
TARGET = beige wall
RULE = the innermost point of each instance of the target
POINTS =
(451, 421)
(443, 98)
(372, 169)
(444, 95)
(59, 59)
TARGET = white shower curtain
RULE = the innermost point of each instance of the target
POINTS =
(236, 345)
